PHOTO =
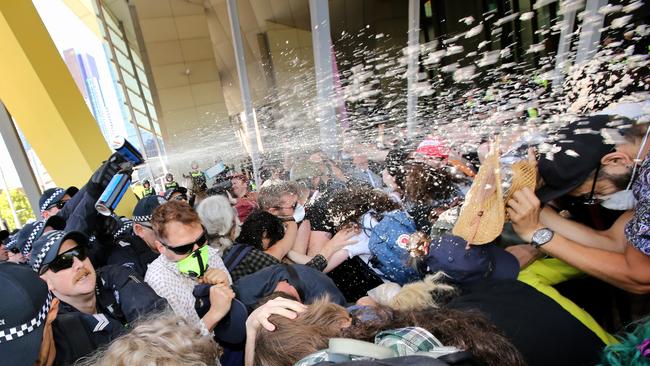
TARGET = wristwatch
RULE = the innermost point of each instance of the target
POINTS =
(541, 237)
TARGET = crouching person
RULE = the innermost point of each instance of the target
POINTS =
(95, 306)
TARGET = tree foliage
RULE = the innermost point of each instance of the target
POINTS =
(21, 205)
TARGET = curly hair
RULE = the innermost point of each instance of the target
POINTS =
(424, 183)
(347, 206)
(164, 340)
(259, 224)
(293, 339)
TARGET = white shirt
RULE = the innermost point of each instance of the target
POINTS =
(361, 247)
(164, 277)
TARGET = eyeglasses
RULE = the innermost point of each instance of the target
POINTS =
(65, 260)
(187, 248)
(15, 250)
(591, 199)
(287, 207)
(58, 205)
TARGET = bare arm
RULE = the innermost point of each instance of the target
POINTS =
(611, 239)
(317, 240)
(302, 238)
(628, 270)
(283, 246)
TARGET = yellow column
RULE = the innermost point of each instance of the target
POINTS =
(39, 92)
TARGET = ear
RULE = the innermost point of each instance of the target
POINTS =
(45, 277)
(161, 248)
(616, 158)
(45, 214)
(137, 229)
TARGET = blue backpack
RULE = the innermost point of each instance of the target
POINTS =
(388, 242)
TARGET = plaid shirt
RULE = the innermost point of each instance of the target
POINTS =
(257, 259)
(402, 341)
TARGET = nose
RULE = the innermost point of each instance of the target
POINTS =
(76, 263)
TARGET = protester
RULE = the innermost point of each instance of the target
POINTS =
(246, 200)
(176, 193)
(185, 261)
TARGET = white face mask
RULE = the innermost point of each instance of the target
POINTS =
(621, 200)
(299, 213)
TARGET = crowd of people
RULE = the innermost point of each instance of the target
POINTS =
(422, 254)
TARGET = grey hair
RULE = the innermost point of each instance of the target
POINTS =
(218, 217)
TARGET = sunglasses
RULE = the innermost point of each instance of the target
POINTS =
(15, 250)
(58, 205)
(287, 207)
(65, 260)
(187, 248)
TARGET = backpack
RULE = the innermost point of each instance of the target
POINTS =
(391, 347)
(235, 255)
(388, 243)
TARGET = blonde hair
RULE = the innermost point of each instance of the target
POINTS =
(422, 294)
(163, 340)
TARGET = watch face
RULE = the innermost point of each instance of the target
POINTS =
(542, 236)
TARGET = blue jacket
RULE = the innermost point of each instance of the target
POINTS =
(310, 284)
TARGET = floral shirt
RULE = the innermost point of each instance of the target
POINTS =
(637, 230)
(164, 277)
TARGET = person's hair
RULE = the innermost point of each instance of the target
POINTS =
(218, 218)
(293, 339)
(172, 211)
(431, 292)
(395, 165)
(164, 340)
(634, 131)
(349, 205)
(424, 183)
(271, 196)
(627, 352)
(620, 181)
(256, 225)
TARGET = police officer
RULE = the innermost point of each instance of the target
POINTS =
(198, 178)
(170, 182)
(89, 314)
(148, 189)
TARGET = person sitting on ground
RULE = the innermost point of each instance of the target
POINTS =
(262, 230)
(301, 283)
(136, 245)
(163, 339)
(283, 340)
(500, 300)
(185, 261)
(94, 306)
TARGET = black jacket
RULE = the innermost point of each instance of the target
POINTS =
(122, 297)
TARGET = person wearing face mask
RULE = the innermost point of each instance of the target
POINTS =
(619, 256)
(186, 261)
(601, 177)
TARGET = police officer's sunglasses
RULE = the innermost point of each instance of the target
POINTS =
(65, 260)
(58, 205)
(187, 248)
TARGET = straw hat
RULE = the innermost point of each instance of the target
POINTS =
(482, 216)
